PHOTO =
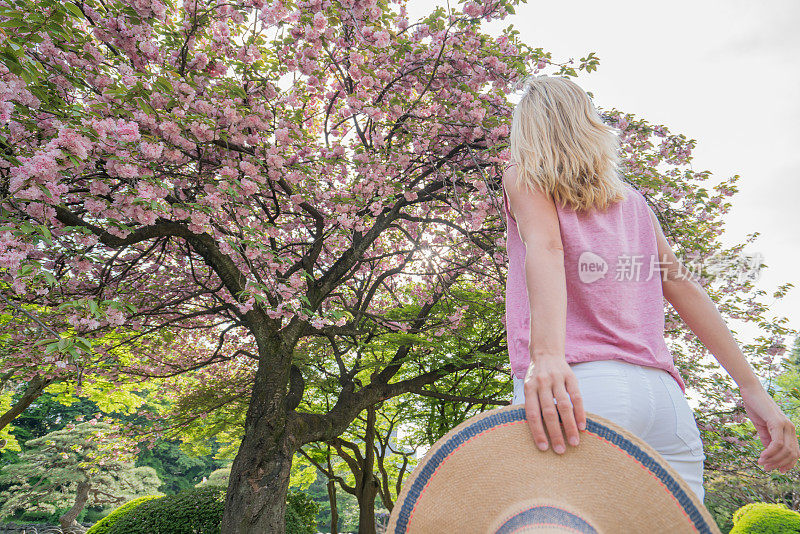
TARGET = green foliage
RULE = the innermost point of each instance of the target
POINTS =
(301, 513)
(218, 477)
(194, 511)
(46, 414)
(720, 510)
(303, 473)
(108, 396)
(177, 469)
(104, 525)
(744, 510)
(346, 505)
(219, 430)
(765, 518)
(199, 511)
(47, 474)
(7, 439)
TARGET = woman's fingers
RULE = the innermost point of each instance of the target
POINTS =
(553, 399)
(565, 407)
(550, 416)
(534, 417)
(775, 447)
(574, 390)
(786, 456)
(783, 451)
(794, 447)
(778, 443)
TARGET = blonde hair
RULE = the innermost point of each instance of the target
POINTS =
(561, 145)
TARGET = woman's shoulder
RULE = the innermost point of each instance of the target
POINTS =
(509, 175)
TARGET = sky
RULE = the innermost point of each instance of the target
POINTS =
(725, 73)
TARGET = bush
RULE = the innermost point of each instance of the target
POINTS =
(765, 518)
(104, 525)
(193, 511)
(197, 511)
(744, 510)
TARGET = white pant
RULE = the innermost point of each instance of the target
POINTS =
(649, 403)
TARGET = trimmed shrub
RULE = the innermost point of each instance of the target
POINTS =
(744, 510)
(193, 511)
(197, 511)
(765, 518)
(104, 525)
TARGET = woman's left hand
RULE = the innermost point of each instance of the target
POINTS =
(777, 432)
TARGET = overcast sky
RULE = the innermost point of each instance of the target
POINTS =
(725, 73)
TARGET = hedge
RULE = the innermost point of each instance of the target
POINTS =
(765, 518)
(196, 511)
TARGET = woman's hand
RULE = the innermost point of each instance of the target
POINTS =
(550, 377)
(776, 431)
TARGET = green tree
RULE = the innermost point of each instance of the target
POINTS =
(72, 468)
(44, 415)
(175, 468)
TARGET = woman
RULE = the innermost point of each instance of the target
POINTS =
(588, 256)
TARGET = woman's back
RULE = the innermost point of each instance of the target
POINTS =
(597, 294)
(615, 304)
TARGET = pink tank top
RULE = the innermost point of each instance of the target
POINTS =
(615, 303)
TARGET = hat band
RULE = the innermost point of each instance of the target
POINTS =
(545, 516)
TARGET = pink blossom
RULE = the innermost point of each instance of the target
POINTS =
(249, 187)
(382, 39)
(123, 170)
(149, 49)
(282, 135)
(199, 218)
(473, 9)
(248, 168)
(200, 61)
(146, 190)
(74, 142)
(151, 151)
(5, 112)
(201, 131)
(127, 131)
(95, 207)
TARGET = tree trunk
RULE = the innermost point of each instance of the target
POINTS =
(366, 506)
(334, 509)
(255, 502)
(68, 522)
(33, 390)
(367, 487)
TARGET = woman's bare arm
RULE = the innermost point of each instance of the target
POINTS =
(776, 431)
(549, 376)
(539, 230)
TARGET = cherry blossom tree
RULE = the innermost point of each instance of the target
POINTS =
(270, 171)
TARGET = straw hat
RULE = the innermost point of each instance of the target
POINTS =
(486, 476)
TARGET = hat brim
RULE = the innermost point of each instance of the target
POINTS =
(487, 472)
